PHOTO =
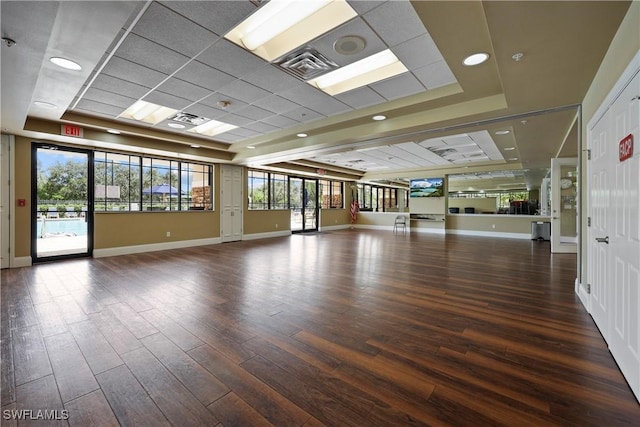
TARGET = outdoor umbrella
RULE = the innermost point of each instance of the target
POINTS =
(161, 189)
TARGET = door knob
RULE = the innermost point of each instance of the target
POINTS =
(603, 239)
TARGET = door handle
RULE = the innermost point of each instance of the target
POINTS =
(603, 239)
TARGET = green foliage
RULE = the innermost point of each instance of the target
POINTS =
(62, 181)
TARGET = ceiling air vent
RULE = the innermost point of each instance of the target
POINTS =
(306, 63)
(190, 119)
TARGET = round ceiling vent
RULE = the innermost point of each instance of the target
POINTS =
(349, 45)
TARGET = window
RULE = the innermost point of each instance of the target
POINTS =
(133, 183)
(377, 199)
(331, 194)
(117, 182)
(258, 190)
(195, 182)
(279, 191)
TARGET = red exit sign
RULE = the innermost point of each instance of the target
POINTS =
(70, 130)
(625, 149)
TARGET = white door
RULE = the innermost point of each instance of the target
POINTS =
(614, 235)
(5, 204)
(599, 184)
(564, 205)
(624, 239)
(231, 196)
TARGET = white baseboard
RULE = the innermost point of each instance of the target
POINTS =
(428, 230)
(125, 250)
(267, 235)
(524, 236)
(583, 295)
(23, 261)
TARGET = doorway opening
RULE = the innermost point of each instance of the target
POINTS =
(62, 208)
(303, 202)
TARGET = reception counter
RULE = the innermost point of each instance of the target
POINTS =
(511, 226)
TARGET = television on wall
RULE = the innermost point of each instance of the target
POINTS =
(426, 187)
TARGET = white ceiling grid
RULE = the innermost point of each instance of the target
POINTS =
(176, 56)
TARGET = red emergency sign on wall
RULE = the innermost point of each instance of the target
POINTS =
(625, 149)
(70, 130)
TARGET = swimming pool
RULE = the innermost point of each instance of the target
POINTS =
(68, 226)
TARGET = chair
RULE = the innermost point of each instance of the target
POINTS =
(400, 222)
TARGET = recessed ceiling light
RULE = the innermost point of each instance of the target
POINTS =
(147, 112)
(379, 117)
(176, 125)
(371, 69)
(44, 104)
(194, 146)
(113, 131)
(503, 132)
(279, 27)
(251, 147)
(302, 135)
(66, 63)
(475, 59)
(509, 148)
(513, 158)
(212, 127)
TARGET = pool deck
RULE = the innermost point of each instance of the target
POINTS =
(61, 245)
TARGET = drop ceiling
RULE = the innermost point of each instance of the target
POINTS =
(442, 116)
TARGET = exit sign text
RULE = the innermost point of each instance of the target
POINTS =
(70, 130)
(625, 148)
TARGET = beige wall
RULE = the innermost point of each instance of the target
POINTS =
(377, 218)
(624, 46)
(427, 205)
(266, 221)
(23, 191)
(117, 229)
(334, 217)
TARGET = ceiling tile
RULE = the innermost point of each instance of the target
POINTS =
(168, 28)
(247, 133)
(276, 104)
(398, 87)
(303, 114)
(167, 100)
(272, 78)
(261, 127)
(395, 22)
(98, 107)
(231, 59)
(360, 97)
(329, 107)
(418, 52)
(304, 94)
(217, 16)
(234, 119)
(355, 27)
(233, 104)
(152, 55)
(134, 73)
(183, 89)
(364, 6)
(254, 113)
(280, 121)
(110, 98)
(203, 75)
(244, 91)
(119, 86)
(435, 75)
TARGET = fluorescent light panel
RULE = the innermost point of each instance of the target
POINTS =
(147, 112)
(371, 69)
(280, 26)
(212, 127)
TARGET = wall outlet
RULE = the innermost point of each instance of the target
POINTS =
(168, 234)
(493, 226)
(276, 225)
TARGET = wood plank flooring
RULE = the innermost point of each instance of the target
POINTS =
(345, 328)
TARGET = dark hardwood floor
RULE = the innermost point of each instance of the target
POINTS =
(347, 328)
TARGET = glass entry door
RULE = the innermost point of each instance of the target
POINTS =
(62, 208)
(303, 202)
